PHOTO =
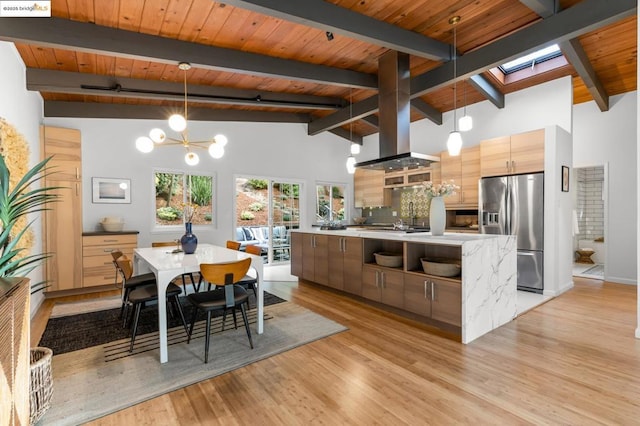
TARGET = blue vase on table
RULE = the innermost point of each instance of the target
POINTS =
(189, 242)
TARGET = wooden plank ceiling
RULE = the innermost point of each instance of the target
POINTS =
(252, 88)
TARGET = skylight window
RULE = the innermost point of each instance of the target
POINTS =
(531, 59)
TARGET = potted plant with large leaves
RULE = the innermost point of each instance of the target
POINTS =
(18, 201)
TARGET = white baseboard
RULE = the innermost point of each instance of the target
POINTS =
(566, 287)
(619, 280)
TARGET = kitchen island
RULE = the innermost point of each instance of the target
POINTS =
(480, 298)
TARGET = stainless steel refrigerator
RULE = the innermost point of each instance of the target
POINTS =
(514, 205)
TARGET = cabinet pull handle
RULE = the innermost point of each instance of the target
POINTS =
(513, 166)
(382, 279)
(377, 285)
(425, 289)
(433, 292)
(507, 164)
(110, 241)
(77, 173)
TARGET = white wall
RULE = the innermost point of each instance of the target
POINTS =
(534, 108)
(282, 151)
(610, 137)
(23, 110)
(558, 241)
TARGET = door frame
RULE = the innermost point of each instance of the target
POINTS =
(270, 180)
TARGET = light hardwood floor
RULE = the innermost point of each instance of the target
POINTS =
(573, 360)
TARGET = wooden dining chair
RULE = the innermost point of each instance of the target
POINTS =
(233, 245)
(225, 275)
(143, 294)
(247, 281)
(175, 243)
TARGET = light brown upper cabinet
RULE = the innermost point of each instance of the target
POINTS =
(515, 154)
(369, 189)
(464, 170)
(407, 177)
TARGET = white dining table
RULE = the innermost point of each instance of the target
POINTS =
(167, 265)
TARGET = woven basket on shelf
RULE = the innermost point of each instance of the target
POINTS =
(41, 387)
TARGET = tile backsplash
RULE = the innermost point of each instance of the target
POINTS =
(400, 204)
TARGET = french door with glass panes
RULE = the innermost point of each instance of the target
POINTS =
(266, 212)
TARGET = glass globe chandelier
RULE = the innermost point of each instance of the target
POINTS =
(178, 123)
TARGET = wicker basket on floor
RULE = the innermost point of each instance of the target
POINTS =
(41, 387)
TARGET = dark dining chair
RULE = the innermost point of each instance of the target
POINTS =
(196, 287)
(230, 296)
(143, 294)
(130, 283)
(248, 282)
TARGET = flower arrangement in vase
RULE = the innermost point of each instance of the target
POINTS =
(435, 192)
(430, 190)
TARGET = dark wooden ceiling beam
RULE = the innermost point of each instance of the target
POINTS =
(154, 112)
(53, 81)
(427, 110)
(487, 89)
(575, 54)
(371, 120)
(344, 116)
(86, 37)
(329, 17)
(544, 8)
(573, 22)
(349, 136)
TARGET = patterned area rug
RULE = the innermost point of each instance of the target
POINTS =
(86, 387)
(74, 332)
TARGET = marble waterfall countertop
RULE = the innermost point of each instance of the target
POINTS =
(488, 279)
(449, 238)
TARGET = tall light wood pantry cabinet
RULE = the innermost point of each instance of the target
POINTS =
(63, 221)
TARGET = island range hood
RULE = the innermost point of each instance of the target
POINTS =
(394, 108)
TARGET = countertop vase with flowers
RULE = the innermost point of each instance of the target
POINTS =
(437, 213)
(189, 241)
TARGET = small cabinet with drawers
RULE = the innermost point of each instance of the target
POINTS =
(97, 262)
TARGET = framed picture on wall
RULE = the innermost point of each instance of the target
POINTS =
(565, 179)
(111, 190)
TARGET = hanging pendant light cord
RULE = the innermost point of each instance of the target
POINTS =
(185, 95)
(350, 116)
(455, 73)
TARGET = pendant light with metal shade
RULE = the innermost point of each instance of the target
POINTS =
(454, 142)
